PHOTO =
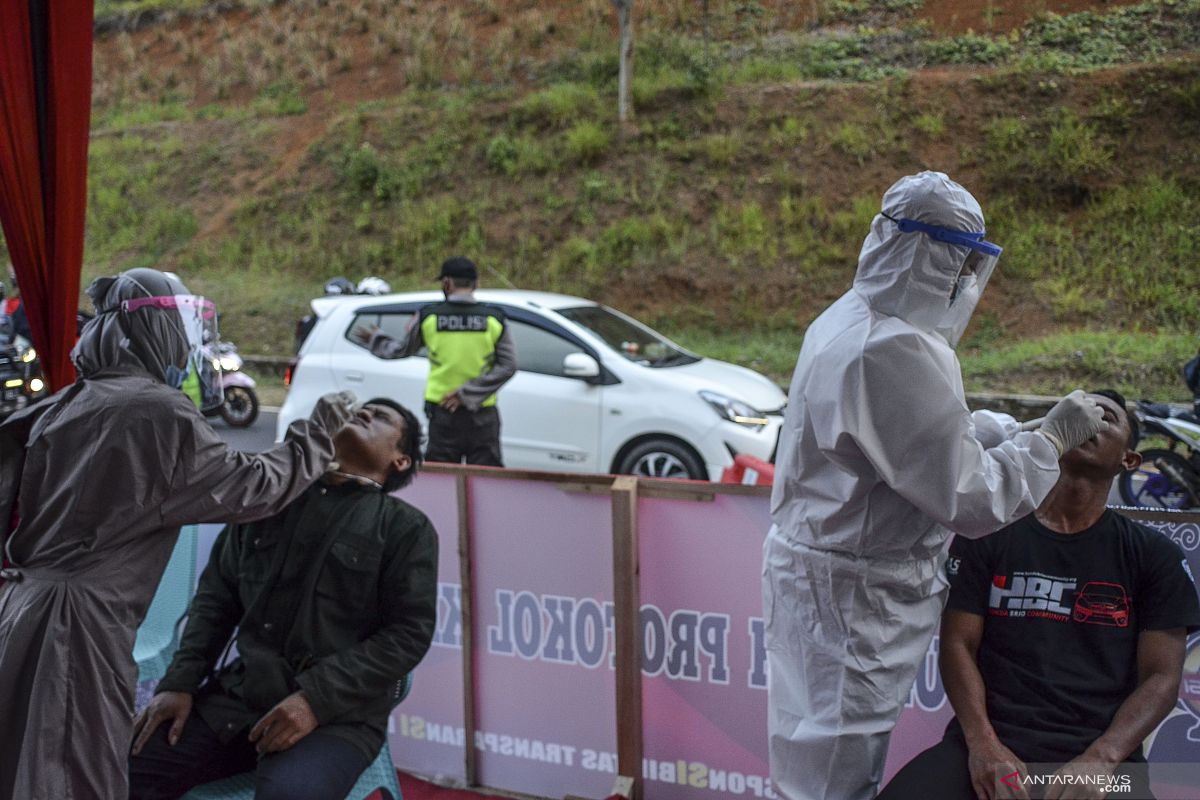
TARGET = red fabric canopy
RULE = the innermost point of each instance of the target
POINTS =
(45, 115)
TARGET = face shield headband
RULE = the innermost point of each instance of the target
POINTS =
(973, 273)
(197, 319)
(971, 239)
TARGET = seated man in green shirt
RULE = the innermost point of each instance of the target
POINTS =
(333, 601)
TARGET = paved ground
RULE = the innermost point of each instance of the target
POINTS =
(259, 436)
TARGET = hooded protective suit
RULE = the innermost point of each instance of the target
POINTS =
(879, 460)
(104, 473)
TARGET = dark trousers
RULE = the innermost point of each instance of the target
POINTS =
(318, 767)
(473, 436)
(942, 772)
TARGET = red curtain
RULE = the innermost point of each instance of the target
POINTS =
(45, 115)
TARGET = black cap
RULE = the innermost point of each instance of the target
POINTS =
(459, 267)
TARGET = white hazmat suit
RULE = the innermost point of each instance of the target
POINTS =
(879, 461)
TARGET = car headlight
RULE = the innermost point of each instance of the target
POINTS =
(29, 355)
(734, 410)
(229, 364)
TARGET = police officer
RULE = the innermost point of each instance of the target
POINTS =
(471, 355)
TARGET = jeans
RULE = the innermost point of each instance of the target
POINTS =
(318, 767)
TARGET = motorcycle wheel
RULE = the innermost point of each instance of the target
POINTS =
(240, 408)
(1149, 487)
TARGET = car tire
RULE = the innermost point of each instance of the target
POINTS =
(662, 458)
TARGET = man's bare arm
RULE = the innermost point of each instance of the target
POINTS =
(958, 649)
(1160, 666)
(1160, 657)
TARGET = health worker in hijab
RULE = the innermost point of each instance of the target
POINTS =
(98, 480)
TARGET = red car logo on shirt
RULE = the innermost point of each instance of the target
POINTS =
(1100, 603)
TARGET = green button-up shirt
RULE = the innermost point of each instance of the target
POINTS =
(335, 596)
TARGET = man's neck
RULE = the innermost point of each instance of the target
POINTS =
(346, 471)
(461, 296)
(1074, 504)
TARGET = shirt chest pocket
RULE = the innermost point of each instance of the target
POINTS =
(258, 555)
(350, 574)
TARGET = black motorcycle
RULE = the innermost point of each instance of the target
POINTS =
(21, 379)
(1168, 477)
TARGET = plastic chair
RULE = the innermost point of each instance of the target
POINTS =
(158, 636)
(377, 782)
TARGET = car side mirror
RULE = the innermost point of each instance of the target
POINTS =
(580, 365)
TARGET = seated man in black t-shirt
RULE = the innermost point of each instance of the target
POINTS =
(1062, 643)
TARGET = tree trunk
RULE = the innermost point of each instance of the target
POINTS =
(625, 76)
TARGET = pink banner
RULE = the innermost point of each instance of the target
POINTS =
(545, 690)
(544, 648)
(426, 730)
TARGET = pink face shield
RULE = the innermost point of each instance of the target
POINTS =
(197, 318)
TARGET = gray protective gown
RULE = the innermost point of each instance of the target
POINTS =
(105, 472)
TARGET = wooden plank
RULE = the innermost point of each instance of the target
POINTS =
(506, 474)
(468, 627)
(702, 491)
(626, 632)
(598, 483)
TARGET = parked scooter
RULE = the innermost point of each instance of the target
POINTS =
(240, 406)
(1168, 477)
(21, 380)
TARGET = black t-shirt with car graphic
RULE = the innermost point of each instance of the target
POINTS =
(1062, 614)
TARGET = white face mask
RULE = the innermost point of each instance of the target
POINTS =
(966, 284)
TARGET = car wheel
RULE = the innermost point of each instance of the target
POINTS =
(662, 458)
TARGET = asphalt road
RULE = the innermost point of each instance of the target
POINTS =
(258, 437)
(261, 435)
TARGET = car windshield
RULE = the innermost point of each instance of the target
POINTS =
(628, 337)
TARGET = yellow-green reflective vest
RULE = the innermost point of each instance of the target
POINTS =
(191, 387)
(461, 340)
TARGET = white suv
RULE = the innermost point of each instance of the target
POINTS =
(595, 391)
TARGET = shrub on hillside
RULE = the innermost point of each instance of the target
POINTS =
(587, 141)
(560, 105)
(1058, 152)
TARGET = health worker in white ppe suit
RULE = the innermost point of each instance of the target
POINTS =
(879, 462)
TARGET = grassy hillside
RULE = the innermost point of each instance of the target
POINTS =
(262, 150)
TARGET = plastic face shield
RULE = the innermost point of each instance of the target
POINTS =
(197, 319)
(977, 266)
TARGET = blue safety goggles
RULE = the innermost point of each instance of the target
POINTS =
(969, 239)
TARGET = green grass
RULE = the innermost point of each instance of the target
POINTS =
(560, 104)
(121, 9)
(587, 141)
(1128, 262)
(1138, 365)
(707, 210)
(128, 223)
